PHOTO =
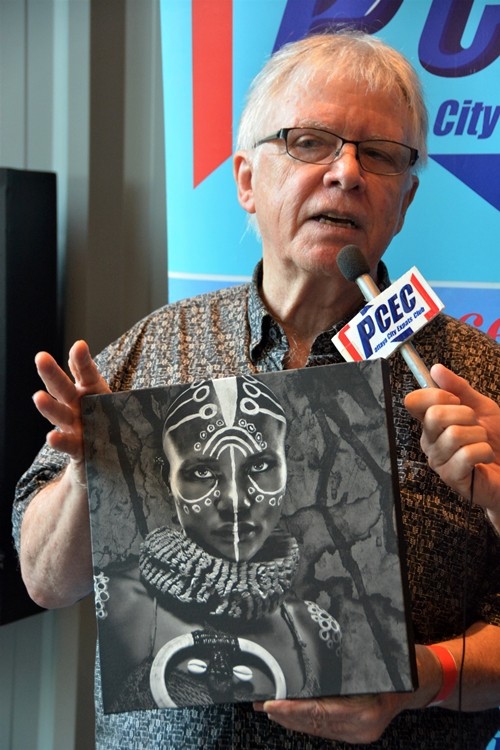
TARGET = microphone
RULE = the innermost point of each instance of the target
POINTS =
(353, 266)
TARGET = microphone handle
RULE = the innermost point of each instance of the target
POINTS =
(370, 290)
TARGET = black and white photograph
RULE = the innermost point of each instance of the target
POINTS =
(245, 536)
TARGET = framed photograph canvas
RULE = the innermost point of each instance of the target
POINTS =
(246, 539)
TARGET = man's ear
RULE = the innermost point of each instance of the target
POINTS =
(243, 173)
(407, 200)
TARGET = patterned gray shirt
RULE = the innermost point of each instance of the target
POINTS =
(230, 332)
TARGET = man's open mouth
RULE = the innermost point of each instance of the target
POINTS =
(335, 220)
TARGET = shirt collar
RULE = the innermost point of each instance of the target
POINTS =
(268, 341)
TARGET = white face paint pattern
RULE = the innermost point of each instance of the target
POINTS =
(213, 430)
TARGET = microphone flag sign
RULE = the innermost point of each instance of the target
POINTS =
(390, 319)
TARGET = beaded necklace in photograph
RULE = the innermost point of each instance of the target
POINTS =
(174, 565)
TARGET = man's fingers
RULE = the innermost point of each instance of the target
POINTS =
(453, 423)
(60, 403)
(454, 467)
(67, 438)
(55, 380)
(84, 370)
(454, 432)
(418, 402)
(453, 390)
(66, 442)
(450, 381)
(88, 379)
(305, 715)
(360, 719)
(56, 412)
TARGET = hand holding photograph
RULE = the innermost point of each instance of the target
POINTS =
(245, 537)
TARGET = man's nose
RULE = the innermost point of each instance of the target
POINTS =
(345, 169)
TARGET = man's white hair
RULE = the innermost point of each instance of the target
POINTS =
(355, 55)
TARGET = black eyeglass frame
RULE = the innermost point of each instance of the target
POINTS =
(282, 134)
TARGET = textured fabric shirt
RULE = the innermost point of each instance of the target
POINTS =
(230, 332)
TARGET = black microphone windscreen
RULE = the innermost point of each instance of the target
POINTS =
(352, 263)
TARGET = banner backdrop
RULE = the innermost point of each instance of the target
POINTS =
(212, 50)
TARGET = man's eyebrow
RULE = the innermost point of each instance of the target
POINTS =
(373, 136)
(313, 124)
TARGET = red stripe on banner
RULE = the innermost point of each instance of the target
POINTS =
(433, 307)
(212, 85)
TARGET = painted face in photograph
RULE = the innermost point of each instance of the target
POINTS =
(224, 441)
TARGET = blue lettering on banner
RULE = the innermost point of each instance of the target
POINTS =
(440, 50)
(472, 118)
(303, 17)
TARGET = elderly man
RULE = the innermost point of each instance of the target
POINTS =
(330, 140)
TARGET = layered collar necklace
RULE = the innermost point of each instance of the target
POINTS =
(173, 565)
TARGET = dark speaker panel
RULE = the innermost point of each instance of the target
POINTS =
(28, 323)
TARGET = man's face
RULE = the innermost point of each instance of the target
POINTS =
(227, 467)
(306, 213)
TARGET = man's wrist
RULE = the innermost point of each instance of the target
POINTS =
(449, 673)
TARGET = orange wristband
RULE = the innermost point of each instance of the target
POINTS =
(450, 673)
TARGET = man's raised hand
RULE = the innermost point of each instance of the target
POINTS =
(60, 403)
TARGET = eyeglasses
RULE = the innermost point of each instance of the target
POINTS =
(315, 146)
